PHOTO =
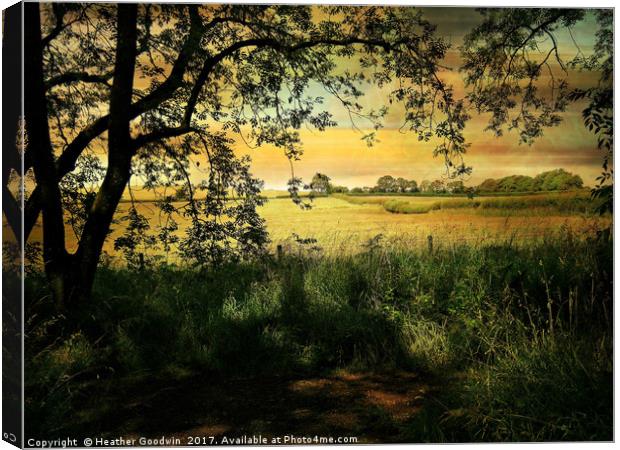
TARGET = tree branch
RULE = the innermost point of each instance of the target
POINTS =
(163, 133)
(73, 77)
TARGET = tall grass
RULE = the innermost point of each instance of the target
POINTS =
(565, 203)
(518, 339)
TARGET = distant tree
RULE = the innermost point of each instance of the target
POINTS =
(386, 183)
(524, 183)
(455, 187)
(438, 186)
(339, 190)
(357, 190)
(573, 182)
(321, 184)
(403, 185)
(488, 185)
(516, 183)
(558, 180)
(553, 180)
(425, 186)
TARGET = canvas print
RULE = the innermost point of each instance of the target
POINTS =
(306, 224)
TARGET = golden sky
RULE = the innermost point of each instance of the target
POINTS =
(341, 154)
(344, 156)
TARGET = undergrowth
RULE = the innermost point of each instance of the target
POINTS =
(519, 338)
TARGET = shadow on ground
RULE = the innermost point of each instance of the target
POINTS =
(371, 407)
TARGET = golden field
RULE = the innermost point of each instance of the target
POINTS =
(342, 224)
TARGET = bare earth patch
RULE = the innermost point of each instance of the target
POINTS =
(369, 406)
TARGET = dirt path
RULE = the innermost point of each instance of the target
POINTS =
(370, 407)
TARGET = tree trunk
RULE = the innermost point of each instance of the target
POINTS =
(71, 277)
(40, 147)
(119, 158)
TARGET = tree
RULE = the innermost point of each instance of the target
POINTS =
(181, 194)
(160, 87)
(516, 183)
(403, 185)
(557, 180)
(425, 186)
(437, 186)
(339, 189)
(488, 185)
(320, 184)
(455, 187)
(553, 180)
(386, 183)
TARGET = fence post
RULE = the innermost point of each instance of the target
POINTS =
(430, 243)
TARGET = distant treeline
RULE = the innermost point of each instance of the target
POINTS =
(553, 180)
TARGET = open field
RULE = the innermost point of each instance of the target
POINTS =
(336, 222)
(348, 223)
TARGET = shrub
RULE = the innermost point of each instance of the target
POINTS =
(404, 207)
